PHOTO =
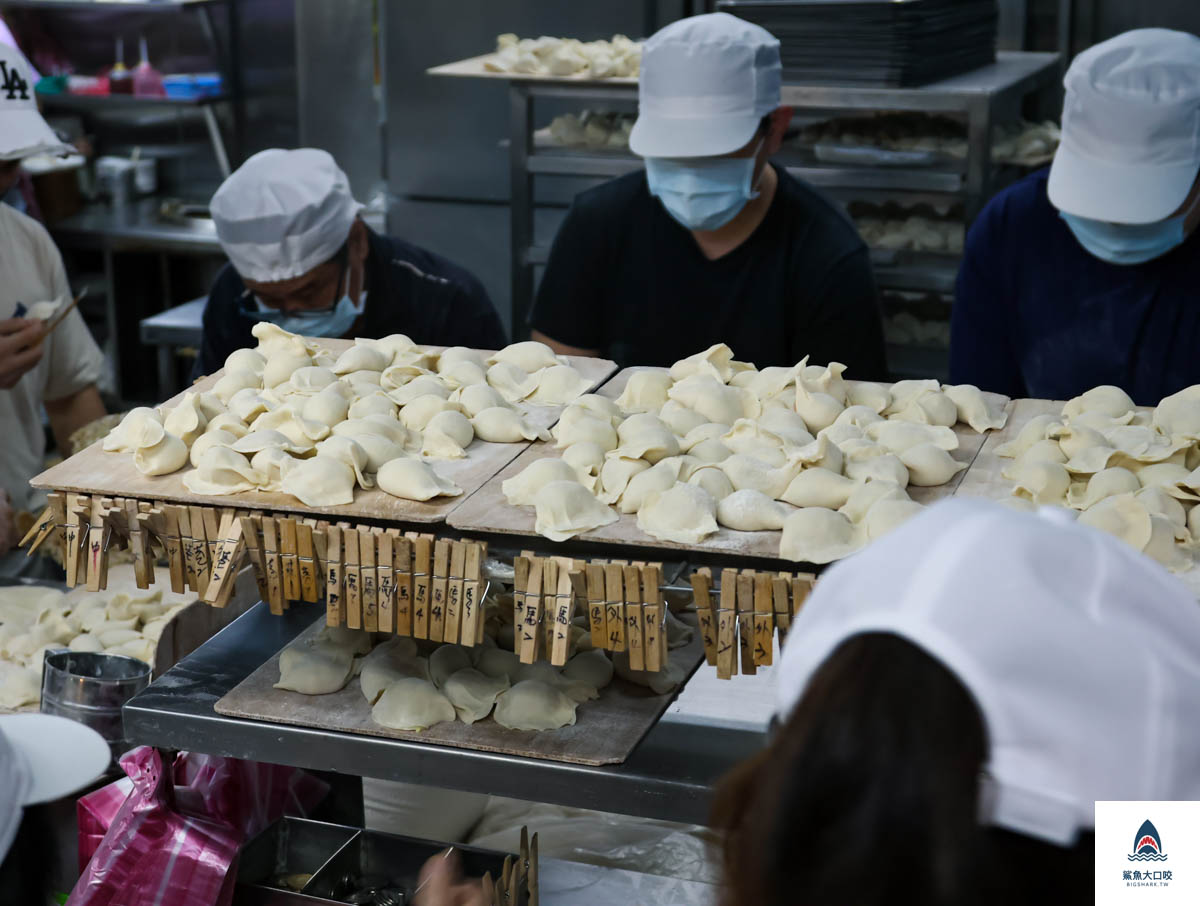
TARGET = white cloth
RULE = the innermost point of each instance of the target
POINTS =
(1082, 654)
(23, 132)
(282, 213)
(427, 812)
(31, 271)
(1130, 146)
(706, 83)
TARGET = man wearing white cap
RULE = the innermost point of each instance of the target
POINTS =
(712, 242)
(1087, 274)
(302, 258)
(59, 371)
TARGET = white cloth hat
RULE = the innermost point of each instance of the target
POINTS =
(282, 213)
(23, 132)
(706, 83)
(43, 758)
(1130, 148)
(1082, 654)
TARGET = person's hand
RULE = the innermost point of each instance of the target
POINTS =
(20, 349)
(8, 525)
(442, 884)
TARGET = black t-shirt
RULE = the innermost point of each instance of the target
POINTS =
(626, 279)
(409, 290)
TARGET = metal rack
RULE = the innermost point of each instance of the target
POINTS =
(982, 98)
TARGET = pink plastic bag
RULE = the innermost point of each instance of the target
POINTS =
(175, 838)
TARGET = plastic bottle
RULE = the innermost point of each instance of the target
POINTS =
(120, 80)
(147, 81)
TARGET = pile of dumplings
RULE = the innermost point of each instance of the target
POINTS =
(291, 416)
(1133, 473)
(714, 442)
(618, 58)
(412, 685)
(34, 620)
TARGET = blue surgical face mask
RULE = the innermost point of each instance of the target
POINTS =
(703, 193)
(1128, 243)
(329, 322)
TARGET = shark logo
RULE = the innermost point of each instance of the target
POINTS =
(1147, 845)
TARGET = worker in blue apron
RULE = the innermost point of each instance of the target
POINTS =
(1089, 273)
(301, 257)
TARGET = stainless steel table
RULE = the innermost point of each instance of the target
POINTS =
(179, 326)
(669, 776)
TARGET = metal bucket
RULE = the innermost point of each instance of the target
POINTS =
(91, 688)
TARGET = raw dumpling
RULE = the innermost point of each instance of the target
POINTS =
(271, 463)
(511, 382)
(864, 393)
(819, 487)
(566, 508)
(376, 426)
(289, 422)
(928, 407)
(210, 404)
(616, 474)
(534, 705)
(412, 704)
(452, 355)
(716, 361)
(362, 358)
(600, 405)
(320, 482)
(747, 472)
(498, 663)
(473, 693)
(819, 410)
(417, 414)
(659, 682)
(577, 424)
(1160, 503)
(445, 661)
(350, 452)
(1106, 400)
(685, 514)
(412, 479)
(424, 385)
(865, 496)
(161, 458)
(1074, 440)
(529, 356)
(502, 425)
(140, 427)
(929, 466)
(817, 535)
(974, 408)
(883, 467)
(887, 514)
(207, 441)
(899, 436)
(822, 453)
(586, 458)
(1105, 483)
(826, 380)
(281, 366)
(272, 338)
(1037, 428)
(593, 668)
(786, 424)
(713, 480)
(378, 403)
(312, 379)
(750, 511)
(315, 667)
(223, 471)
(448, 434)
(651, 444)
(1178, 415)
(20, 686)
(267, 438)
(478, 397)
(395, 659)
(1042, 482)
(712, 450)
(681, 419)
(232, 381)
(245, 360)
(522, 488)
(559, 385)
(646, 391)
(641, 485)
(1123, 516)
(749, 438)
(227, 421)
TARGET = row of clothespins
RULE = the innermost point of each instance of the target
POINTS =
(517, 877)
(380, 580)
(750, 608)
(623, 602)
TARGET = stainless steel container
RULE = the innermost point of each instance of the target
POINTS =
(92, 688)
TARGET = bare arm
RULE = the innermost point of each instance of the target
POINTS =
(71, 413)
(563, 348)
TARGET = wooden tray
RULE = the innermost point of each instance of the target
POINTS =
(605, 732)
(472, 68)
(96, 472)
(488, 511)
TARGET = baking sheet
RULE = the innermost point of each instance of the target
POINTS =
(606, 730)
(473, 68)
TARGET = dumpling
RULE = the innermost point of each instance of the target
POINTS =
(716, 361)
(1105, 483)
(929, 465)
(600, 405)
(529, 356)
(412, 704)
(651, 444)
(447, 436)
(167, 455)
(281, 366)
(748, 437)
(473, 693)
(713, 480)
(817, 535)
(502, 425)
(534, 705)
(888, 513)
(312, 379)
(319, 482)
(642, 483)
(714, 400)
(185, 420)
(586, 458)
(315, 667)
(379, 450)
(395, 659)
(378, 403)
(928, 407)
(974, 409)
(207, 441)
(326, 407)
(478, 397)
(865, 496)
(593, 667)
(876, 397)
(372, 426)
(245, 360)
(511, 382)
(522, 488)
(267, 438)
(248, 404)
(287, 421)
(822, 453)
(223, 471)
(616, 474)
(819, 487)
(1160, 503)
(362, 358)
(412, 479)
(1178, 415)
(350, 452)
(898, 436)
(424, 385)
(140, 427)
(750, 511)
(445, 661)
(712, 450)
(577, 424)
(685, 514)
(272, 338)
(271, 463)
(1042, 482)
(882, 467)
(227, 421)
(559, 385)
(786, 424)
(680, 418)
(747, 472)
(659, 682)
(1106, 400)
(567, 508)
(1122, 516)
(464, 374)
(646, 391)
(232, 381)
(1037, 428)
(210, 404)
(453, 355)
(819, 410)
(497, 662)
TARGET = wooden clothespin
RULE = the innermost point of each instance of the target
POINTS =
(402, 565)
(387, 580)
(422, 547)
(143, 566)
(230, 551)
(306, 560)
(274, 570)
(52, 521)
(579, 591)
(654, 642)
(780, 586)
(549, 591)
(802, 587)
(251, 532)
(745, 609)
(335, 604)
(454, 593)
(352, 577)
(367, 557)
(764, 620)
(727, 634)
(97, 550)
(199, 538)
(635, 621)
(522, 567)
(166, 521)
(614, 604)
(212, 535)
(529, 631)
(561, 616)
(285, 526)
(702, 595)
(594, 573)
(472, 606)
(73, 538)
(531, 881)
(441, 579)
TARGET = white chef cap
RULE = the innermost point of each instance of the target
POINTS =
(282, 213)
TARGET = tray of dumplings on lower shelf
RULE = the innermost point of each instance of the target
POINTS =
(620, 522)
(597, 709)
(96, 471)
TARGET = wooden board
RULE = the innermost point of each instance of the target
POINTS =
(487, 510)
(473, 68)
(606, 730)
(94, 471)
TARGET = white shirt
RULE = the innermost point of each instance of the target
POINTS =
(31, 270)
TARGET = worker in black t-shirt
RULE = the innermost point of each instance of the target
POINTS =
(711, 243)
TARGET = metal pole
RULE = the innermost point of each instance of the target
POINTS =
(520, 117)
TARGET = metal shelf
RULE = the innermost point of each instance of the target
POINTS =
(89, 103)
(138, 5)
(669, 776)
